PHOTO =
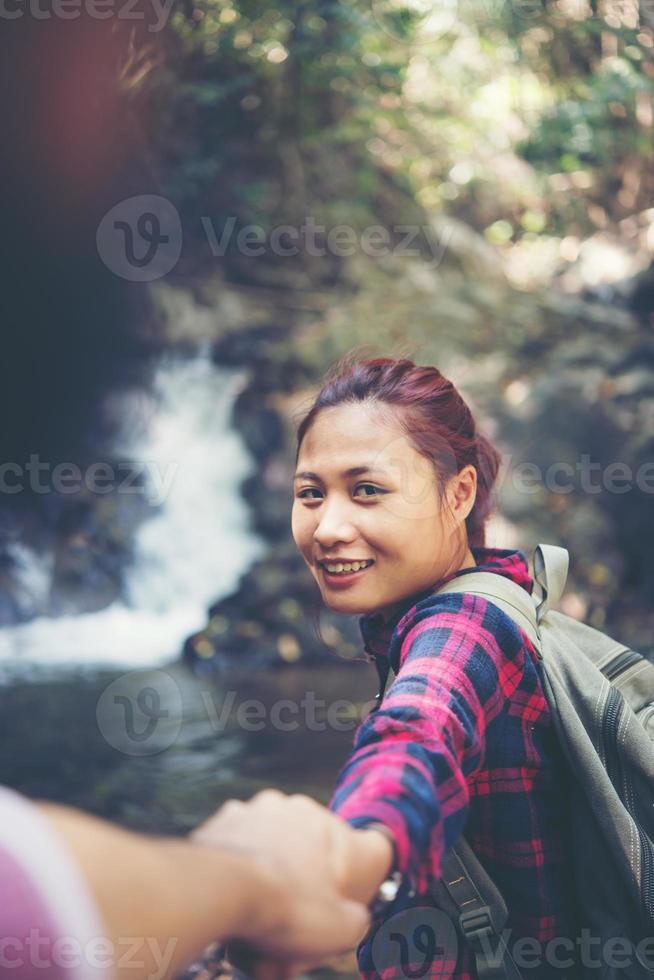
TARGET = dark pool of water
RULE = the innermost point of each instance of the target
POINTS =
(158, 750)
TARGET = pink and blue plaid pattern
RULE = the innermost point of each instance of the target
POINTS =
(463, 742)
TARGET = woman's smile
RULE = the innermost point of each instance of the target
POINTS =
(342, 575)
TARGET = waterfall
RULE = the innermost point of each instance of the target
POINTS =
(194, 548)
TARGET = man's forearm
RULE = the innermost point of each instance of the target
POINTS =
(273, 872)
(171, 895)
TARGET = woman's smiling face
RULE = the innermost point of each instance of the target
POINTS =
(363, 493)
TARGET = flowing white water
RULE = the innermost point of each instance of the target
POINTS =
(190, 553)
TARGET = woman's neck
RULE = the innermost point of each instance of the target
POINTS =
(468, 561)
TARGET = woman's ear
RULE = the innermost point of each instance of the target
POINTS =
(462, 492)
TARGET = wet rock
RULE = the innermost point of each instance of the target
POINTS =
(591, 405)
(276, 616)
(261, 427)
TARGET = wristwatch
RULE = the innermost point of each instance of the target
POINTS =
(389, 888)
(386, 895)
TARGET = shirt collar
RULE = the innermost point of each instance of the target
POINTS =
(511, 563)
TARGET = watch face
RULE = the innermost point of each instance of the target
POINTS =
(387, 893)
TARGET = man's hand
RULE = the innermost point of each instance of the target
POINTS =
(303, 857)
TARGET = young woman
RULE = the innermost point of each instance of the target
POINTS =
(391, 495)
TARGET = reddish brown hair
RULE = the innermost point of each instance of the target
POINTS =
(433, 415)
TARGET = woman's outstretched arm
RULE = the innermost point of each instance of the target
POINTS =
(413, 757)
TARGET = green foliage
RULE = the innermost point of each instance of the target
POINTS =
(379, 109)
(599, 127)
(248, 84)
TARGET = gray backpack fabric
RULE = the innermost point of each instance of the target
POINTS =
(601, 697)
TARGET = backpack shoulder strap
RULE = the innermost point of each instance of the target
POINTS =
(551, 565)
(510, 597)
(550, 572)
(481, 912)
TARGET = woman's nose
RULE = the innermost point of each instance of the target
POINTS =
(335, 524)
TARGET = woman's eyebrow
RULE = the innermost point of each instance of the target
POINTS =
(353, 471)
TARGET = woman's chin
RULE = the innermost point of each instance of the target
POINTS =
(340, 604)
(347, 604)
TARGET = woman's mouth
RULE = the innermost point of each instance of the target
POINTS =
(341, 574)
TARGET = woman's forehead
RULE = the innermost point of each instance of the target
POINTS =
(353, 435)
(341, 450)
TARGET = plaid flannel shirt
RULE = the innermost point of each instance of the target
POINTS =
(463, 742)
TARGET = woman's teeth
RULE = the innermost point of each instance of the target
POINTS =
(354, 566)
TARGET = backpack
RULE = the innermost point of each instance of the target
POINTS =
(601, 698)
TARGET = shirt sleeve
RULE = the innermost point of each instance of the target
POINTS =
(413, 757)
(49, 923)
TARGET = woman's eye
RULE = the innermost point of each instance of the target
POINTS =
(301, 494)
(370, 486)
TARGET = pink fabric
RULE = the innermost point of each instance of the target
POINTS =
(50, 928)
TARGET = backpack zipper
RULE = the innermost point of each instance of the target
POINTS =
(648, 872)
(621, 663)
(615, 770)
